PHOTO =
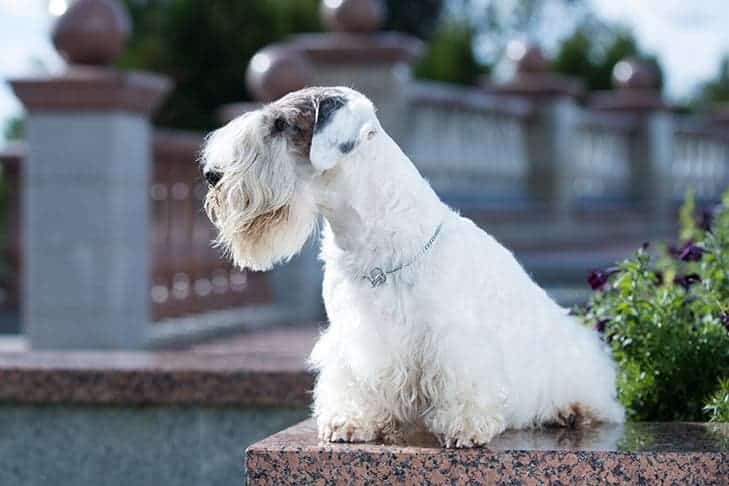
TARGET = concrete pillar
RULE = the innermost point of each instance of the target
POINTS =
(354, 54)
(651, 152)
(86, 203)
(550, 141)
(551, 130)
(385, 80)
(652, 158)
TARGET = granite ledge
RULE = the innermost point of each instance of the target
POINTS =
(265, 368)
(634, 453)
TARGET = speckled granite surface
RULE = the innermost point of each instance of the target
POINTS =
(639, 453)
(266, 368)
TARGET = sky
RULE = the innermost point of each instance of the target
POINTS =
(688, 36)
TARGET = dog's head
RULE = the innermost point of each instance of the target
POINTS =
(261, 169)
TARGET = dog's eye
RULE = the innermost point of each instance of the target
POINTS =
(280, 125)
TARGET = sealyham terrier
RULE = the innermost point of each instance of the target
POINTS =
(431, 321)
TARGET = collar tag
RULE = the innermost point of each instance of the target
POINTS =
(376, 277)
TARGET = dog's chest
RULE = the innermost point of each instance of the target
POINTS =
(386, 339)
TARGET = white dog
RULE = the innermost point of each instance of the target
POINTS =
(432, 321)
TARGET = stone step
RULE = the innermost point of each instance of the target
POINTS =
(634, 453)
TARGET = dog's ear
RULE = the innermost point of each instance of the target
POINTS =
(341, 126)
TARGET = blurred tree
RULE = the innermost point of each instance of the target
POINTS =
(14, 128)
(592, 51)
(205, 48)
(715, 91)
(414, 17)
(497, 22)
(450, 56)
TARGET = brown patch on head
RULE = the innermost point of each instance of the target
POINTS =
(574, 416)
(298, 110)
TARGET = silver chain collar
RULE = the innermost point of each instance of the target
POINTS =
(377, 276)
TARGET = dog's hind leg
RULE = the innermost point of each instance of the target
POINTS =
(466, 400)
(574, 416)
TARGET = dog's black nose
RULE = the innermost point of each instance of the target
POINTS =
(213, 177)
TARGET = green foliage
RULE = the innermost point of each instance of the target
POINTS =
(718, 405)
(497, 22)
(450, 57)
(716, 90)
(593, 50)
(666, 319)
(689, 229)
(205, 48)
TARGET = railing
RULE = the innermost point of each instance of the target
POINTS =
(601, 169)
(700, 160)
(468, 142)
(188, 275)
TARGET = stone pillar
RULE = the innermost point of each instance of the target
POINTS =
(356, 55)
(720, 118)
(86, 202)
(637, 94)
(551, 133)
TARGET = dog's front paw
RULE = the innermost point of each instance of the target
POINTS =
(472, 433)
(342, 429)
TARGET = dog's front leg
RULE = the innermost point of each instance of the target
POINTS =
(345, 410)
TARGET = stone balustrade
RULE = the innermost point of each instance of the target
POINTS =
(499, 152)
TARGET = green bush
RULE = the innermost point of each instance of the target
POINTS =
(665, 314)
(718, 406)
(593, 50)
(449, 57)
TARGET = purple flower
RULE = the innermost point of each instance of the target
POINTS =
(598, 279)
(724, 318)
(690, 252)
(601, 324)
(687, 281)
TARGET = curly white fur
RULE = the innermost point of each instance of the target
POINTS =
(462, 340)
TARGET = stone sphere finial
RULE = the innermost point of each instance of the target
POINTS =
(632, 73)
(356, 16)
(92, 32)
(275, 71)
(529, 58)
